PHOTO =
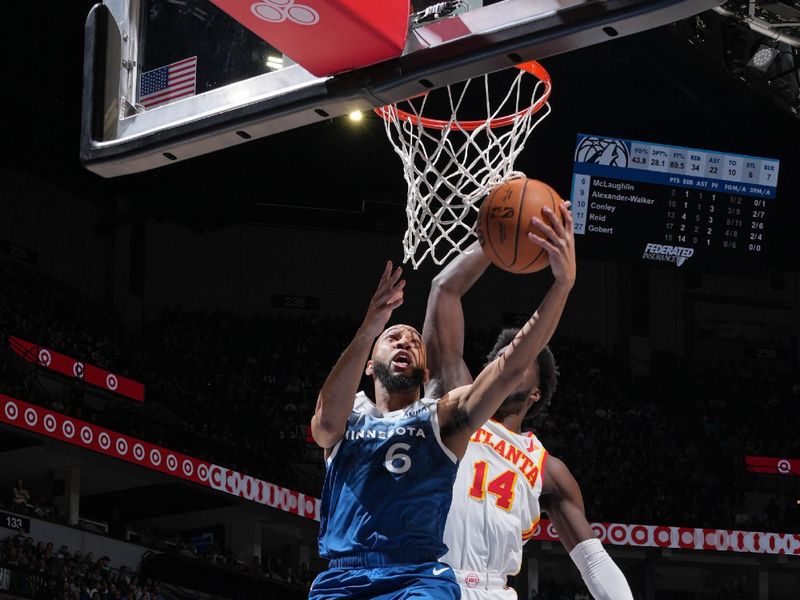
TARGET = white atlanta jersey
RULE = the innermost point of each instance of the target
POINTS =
(495, 509)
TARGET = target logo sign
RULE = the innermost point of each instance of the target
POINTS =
(104, 440)
(44, 357)
(598, 529)
(138, 451)
(172, 462)
(784, 466)
(68, 429)
(86, 435)
(50, 423)
(122, 447)
(278, 11)
(12, 412)
(155, 457)
(111, 381)
(31, 418)
(188, 468)
(77, 369)
(309, 508)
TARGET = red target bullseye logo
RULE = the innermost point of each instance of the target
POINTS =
(122, 447)
(202, 472)
(50, 423)
(155, 457)
(617, 534)
(77, 369)
(172, 462)
(472, 580)
(44, 357)
(104, 440)
(68, 429)
(31, 418)
(278, 11)
(188, 468)
(138, 451)
(12, 412)
(599, 530)
(87, 435)
(111, 381)
(784, 466)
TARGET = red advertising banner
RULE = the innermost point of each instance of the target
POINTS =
(71, 367)
(684, 538)
(110, 443)
(770, 464)
(58, 426)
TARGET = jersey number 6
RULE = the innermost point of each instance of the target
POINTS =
(394, 454)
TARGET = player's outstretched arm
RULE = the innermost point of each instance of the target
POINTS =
(335, 401)
(562, 501)
(465, 409)
(443, 330)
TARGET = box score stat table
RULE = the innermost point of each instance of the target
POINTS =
(673, 205)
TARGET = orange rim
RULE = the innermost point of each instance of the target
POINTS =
(532, 67)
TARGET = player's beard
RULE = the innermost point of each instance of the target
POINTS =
(511, 405)
(397, 382)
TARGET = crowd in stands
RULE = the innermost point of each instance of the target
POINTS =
(40, 571)
(239, 391)
(274, 566)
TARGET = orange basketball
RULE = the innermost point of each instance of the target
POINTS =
(505, 220)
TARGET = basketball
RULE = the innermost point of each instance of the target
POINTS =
(504, 222)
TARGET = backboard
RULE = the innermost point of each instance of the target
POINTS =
(167, 80)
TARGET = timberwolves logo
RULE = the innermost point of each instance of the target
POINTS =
(602, 151)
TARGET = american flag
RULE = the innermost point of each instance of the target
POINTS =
(170, 82)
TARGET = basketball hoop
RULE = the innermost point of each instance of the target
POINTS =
(450, 165)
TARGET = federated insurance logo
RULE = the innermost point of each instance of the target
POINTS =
(664, 253)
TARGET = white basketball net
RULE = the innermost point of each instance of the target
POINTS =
(450, 167)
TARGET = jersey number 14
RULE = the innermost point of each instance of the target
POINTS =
(501, 486)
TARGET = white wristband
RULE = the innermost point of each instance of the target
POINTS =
(600, 573)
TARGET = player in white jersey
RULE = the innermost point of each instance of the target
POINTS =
(506, 477)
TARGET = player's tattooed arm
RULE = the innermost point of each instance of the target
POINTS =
(335, 400)
(443, 330)
(500, 378)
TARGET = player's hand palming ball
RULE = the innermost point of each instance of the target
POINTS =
(505, 220)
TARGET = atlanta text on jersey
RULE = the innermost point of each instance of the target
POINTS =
(511, 453)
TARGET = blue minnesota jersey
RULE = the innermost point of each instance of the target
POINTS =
(388, 485)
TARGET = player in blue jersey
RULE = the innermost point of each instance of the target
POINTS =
(391, 464)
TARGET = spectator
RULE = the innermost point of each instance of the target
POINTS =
(21, 498)
(255, 567)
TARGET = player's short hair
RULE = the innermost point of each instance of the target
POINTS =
(548, 369)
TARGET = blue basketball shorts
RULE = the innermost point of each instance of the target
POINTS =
(432, 580)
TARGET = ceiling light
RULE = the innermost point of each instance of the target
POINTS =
(763, 58)
(275, 62)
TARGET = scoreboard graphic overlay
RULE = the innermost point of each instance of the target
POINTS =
(673, 206)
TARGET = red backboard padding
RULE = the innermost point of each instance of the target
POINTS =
(327, 36)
